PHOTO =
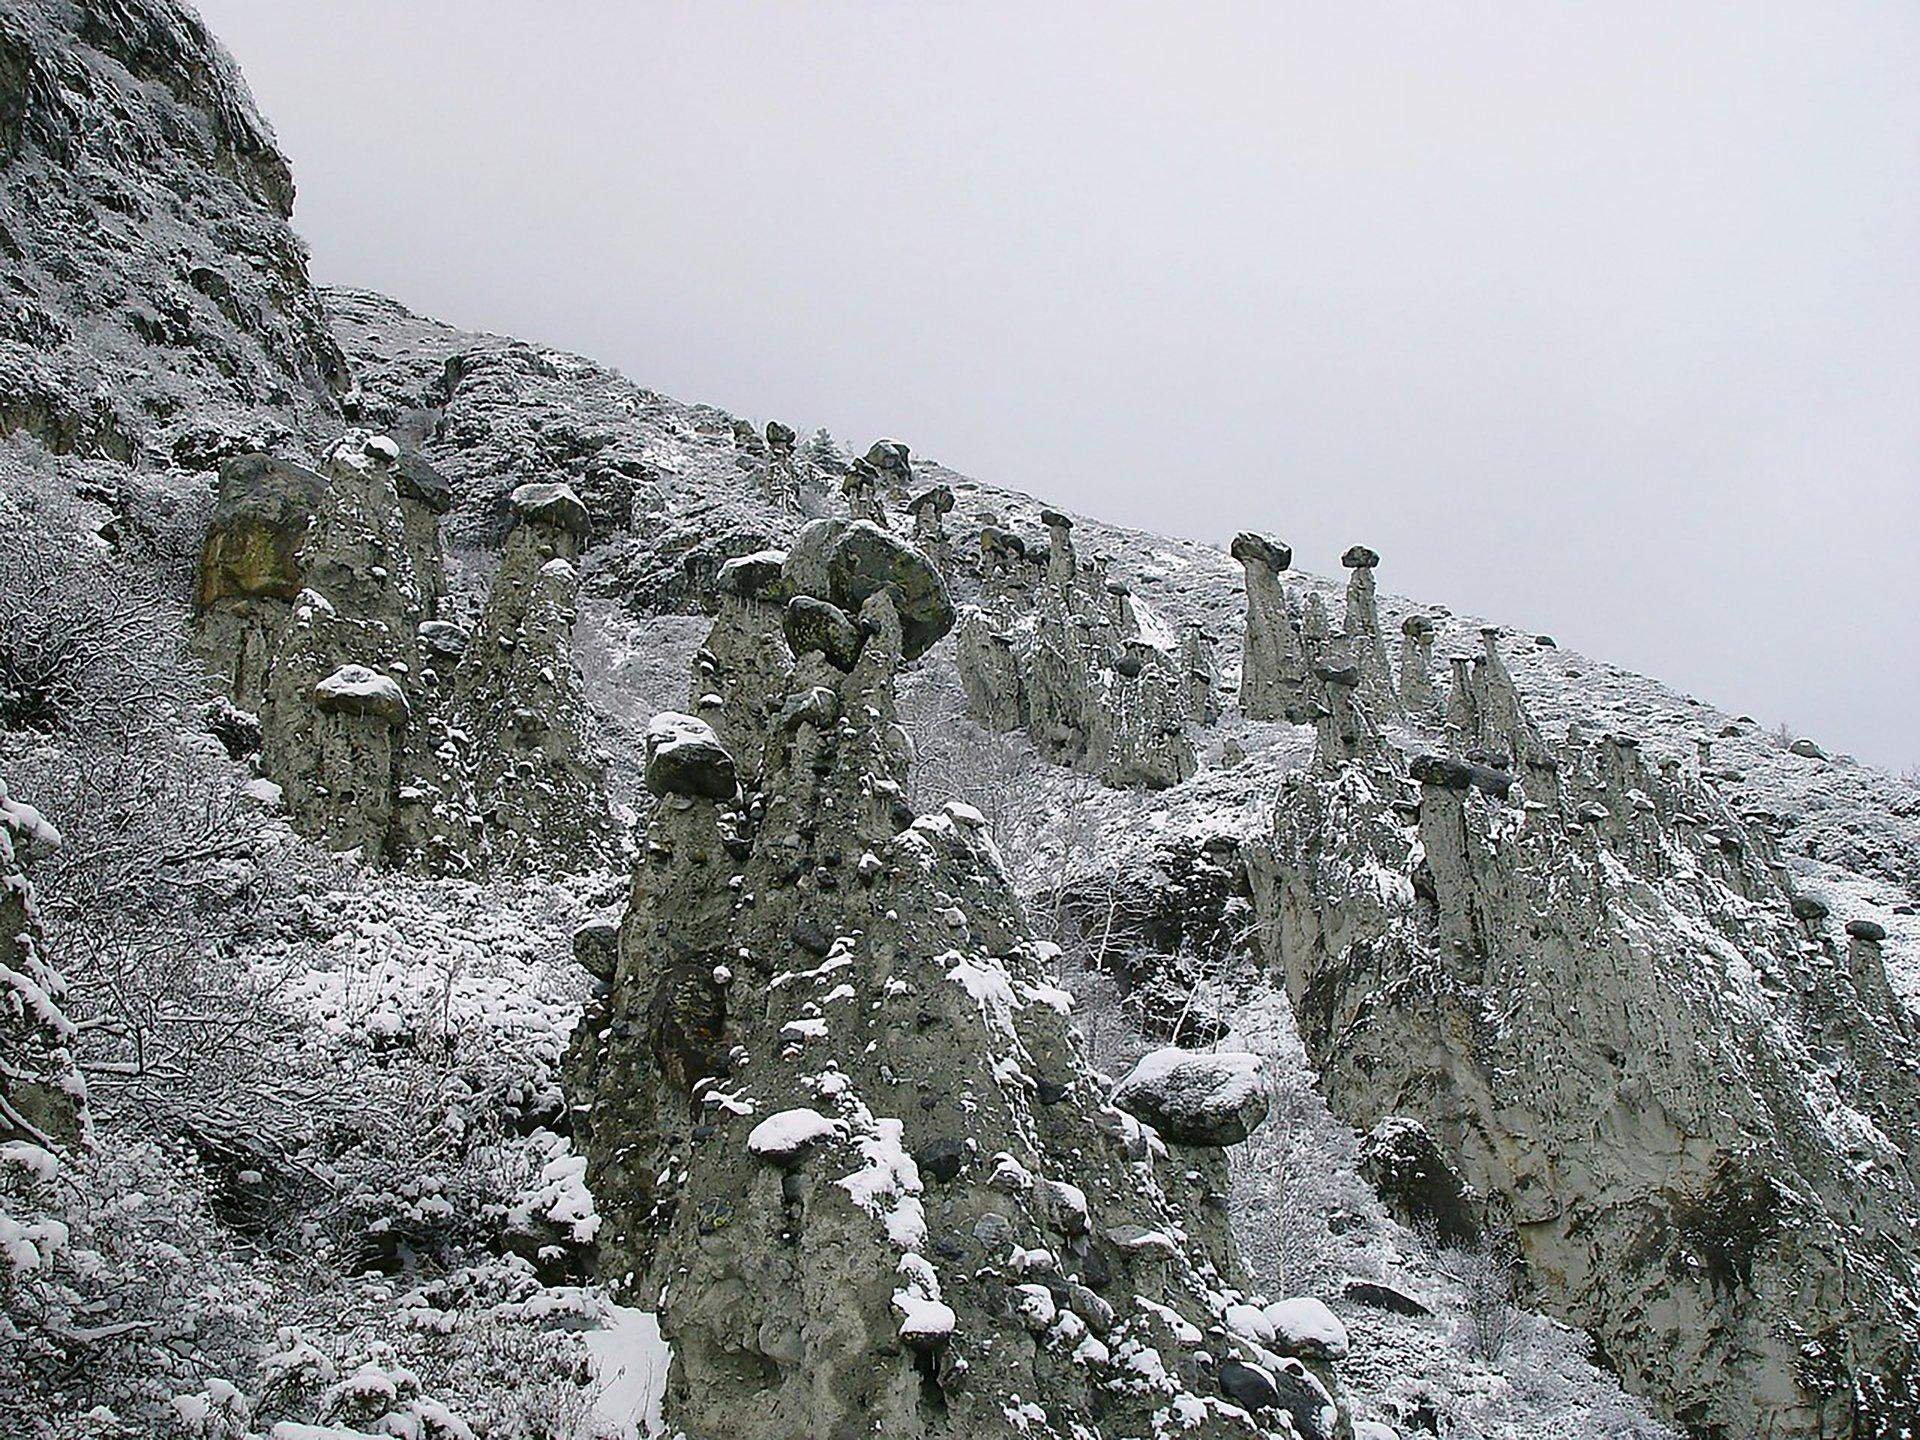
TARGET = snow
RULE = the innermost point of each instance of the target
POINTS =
(788, 1132)
(888, 1185)
(630, 1362)
(671, 730)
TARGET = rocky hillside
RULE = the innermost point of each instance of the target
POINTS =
(536, 908)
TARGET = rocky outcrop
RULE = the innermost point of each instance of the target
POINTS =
(389, 730)
(840, 1133)
(534, 784)
(1583, 984)
(158, 306)
(1059, 649)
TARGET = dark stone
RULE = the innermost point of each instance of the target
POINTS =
(1871, 931)
(810, 937)
(780, 437)
(1129, 664)
(1005, 542)
(1459, 775)
(1049, 1092)
(1439, 771)
(596, 948)
(1347, 677)
(1384, 1297)
(1806, 907)
(941, 1160)
(1360, 557)
(692, 764)
(1056, 520)
(416, 479)
(544, 503)
(812, 624)
(1248, 1386)
(1546, 642)
(1250, 548)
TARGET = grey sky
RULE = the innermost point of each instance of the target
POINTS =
(1600, 320)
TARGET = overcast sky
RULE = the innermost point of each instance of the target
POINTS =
(1597, 320)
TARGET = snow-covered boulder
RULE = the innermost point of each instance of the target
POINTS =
(685, 757)
(1304, 1327)
(550, 503)
(785, 1138)
(356, 690)
(1196, 1099)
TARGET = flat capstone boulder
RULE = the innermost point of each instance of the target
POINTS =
(685, 757)
(1195, 1097)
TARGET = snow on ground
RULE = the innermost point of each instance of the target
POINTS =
(630, 1363)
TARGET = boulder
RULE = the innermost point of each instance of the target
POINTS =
(1249, 548)
(260, 521)
(1195, 1098)
(1871, 931)
(758, 576)
(356, 690)
(596, 948)
(1305, 1328)
(812, 625)
(848, 562)
(1384, 1297)
(1360, 557)
(685, 757)
(416, 479)
(547, 503)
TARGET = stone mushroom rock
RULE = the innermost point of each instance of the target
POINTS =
(811, 1274)
(1273, 665)
(846, 563)
(553, 504)
(1194, 1097)
(937, 499)
(780, 437)
(1617, 920)
(1418, 695)
(1361, 626)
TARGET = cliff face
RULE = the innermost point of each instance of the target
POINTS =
(157, 302)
